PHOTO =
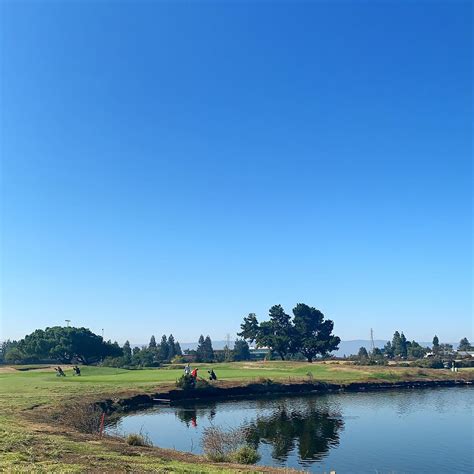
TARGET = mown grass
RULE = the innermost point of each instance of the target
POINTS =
(29, 446)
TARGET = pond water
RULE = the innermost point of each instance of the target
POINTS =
(421, 430)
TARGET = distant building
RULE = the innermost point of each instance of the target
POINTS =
(465, 353)
(259, 353)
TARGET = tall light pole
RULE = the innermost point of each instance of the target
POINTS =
(67, 322)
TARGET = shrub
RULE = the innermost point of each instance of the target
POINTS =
(84, 417)
(138, 439)
(246, 455)
(186, 382)
(114, 362)
(433, 363)
(218, 445)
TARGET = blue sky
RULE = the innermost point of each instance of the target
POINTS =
(169, 167)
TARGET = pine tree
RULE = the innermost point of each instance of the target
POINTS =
(464, 345)
(127, 352)
(209, 351)
(152, 344)
(199, 349)
(388, 350)
(396, 347)
(241, 350)
(204, 351)
(403, 345)
(363, 354)
(164, 348)
(171, 347)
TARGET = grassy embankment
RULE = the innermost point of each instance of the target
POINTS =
(28, 442)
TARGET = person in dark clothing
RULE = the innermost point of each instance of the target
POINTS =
(59, 372)
(77, 370)
(212, 374)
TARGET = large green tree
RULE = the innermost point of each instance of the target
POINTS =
(275, 334)
(250, 328)
(312, 333)
(308, 334)
(415, 350)
(67, 345)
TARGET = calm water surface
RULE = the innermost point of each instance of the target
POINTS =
(423, 430)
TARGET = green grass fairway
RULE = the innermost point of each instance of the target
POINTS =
(26, 444)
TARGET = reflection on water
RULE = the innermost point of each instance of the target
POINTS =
(312, 429)
(308, 424)
(394, 431)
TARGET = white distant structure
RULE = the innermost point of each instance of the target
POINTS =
(465, 353)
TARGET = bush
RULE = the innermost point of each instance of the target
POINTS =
(84, 417)
(246, 455)
(186, 382)
(116, 362)
(219, 445)
(433, 363)
(228, 446)
(138, 439)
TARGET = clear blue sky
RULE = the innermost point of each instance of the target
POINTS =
(170, 167)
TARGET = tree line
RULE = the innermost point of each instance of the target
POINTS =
(401, 348)
(307, 334)
(205, 352)
(152, 355)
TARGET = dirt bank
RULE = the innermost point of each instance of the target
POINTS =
(258, 390)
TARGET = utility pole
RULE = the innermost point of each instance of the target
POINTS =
(227, 347)
(67, 322)
(372, 343)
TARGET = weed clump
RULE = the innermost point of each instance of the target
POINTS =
(228, 446)
(138, 439)
(246, 455)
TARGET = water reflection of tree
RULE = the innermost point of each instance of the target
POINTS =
(314, 429)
